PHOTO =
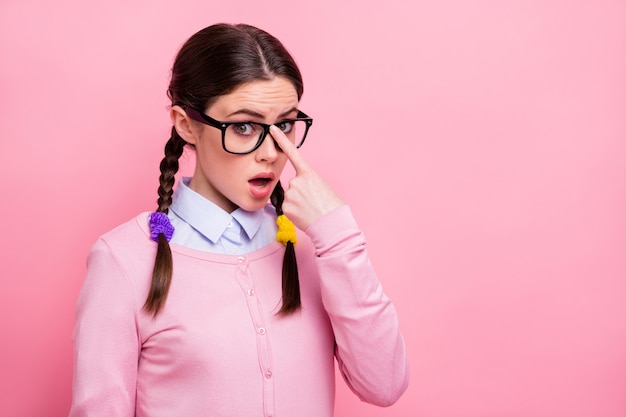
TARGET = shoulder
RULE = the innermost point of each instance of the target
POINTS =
(132, 232)
(127, 242)
(123, 256)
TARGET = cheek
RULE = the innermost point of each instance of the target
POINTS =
(209, 151)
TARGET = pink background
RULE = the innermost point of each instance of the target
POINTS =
(480, 143)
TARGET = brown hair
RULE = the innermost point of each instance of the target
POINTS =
(214, 62)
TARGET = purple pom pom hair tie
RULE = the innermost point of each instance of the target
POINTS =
(160, 223)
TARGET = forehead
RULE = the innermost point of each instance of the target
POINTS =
(262, 96)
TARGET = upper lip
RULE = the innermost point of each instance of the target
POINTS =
(264, 175)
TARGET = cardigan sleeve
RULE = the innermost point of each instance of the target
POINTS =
(369, 347)
(106, 342)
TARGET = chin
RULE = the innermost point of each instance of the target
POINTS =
(253, 205)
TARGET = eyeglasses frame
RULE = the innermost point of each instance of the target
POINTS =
(208, 120)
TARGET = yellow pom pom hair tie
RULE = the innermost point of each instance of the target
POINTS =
(286, 230)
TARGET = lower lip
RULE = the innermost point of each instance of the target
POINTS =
(261, 192)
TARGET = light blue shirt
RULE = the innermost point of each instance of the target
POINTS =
(200, 224)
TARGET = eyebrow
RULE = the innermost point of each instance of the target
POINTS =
(259, 115)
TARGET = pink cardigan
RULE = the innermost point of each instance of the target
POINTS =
(218, 348)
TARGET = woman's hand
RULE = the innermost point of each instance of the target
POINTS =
(308, 197)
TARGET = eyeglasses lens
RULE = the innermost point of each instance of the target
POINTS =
(244, 137)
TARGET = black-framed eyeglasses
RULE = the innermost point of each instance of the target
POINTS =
(241, 138)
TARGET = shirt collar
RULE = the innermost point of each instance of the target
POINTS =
(209, 219)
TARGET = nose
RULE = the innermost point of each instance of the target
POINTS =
(268, 151)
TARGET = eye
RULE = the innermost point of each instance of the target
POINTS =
(244, 129)
(286, 127)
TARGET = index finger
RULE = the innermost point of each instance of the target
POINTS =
(289, 149)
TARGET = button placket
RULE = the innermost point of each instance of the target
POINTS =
(257, 318)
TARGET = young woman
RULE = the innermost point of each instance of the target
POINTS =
(213, 305)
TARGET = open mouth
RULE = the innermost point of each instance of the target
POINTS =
(260, 182)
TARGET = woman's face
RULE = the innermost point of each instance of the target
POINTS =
(245, 181)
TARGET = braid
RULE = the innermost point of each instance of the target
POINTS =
(277, 198)
(169, 167)
(291, 282)
(163, 266)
